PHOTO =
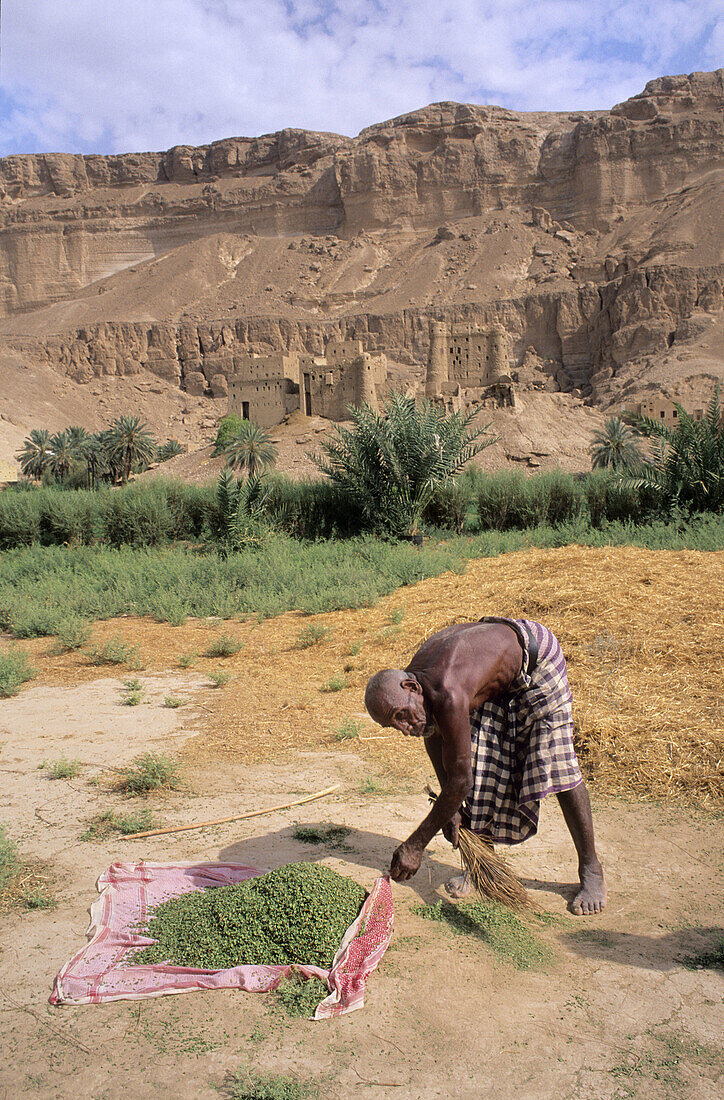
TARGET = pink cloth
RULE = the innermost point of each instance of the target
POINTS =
(128, 891)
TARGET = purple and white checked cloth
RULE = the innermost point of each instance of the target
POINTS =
(522, 744)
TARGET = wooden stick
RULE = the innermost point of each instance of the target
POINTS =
(233, 817)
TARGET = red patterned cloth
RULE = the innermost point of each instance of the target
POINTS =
(129, 891)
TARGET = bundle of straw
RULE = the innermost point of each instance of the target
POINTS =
(489, 873)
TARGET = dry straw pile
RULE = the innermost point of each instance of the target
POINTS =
(643, 632)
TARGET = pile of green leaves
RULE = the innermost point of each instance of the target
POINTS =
(296, 914)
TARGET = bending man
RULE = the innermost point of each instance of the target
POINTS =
(493, 704)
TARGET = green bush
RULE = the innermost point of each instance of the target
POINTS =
(226, 645)
(510, 500)
(73, 634)
(449, 506)
(15, 670)
(151, 771)
(62, 768)
(114, 651)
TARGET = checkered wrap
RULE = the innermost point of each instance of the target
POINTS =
(522, 744)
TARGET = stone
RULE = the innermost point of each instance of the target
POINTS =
(219, 386)
(195, 383)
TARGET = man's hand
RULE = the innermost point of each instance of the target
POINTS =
(405, 862)
(451, 830)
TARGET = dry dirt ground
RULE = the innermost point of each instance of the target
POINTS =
(617, 1014)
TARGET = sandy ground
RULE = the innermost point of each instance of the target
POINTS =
(617, 1015)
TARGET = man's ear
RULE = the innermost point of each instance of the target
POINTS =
(411, 685)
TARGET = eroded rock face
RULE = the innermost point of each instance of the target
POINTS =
(563, 340)
(561, 191)
(67, 220)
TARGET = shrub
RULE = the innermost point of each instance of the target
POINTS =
(173, 702)
(449, 505)
(73, 634)
(336, 683)
(507, 500)
(15, 669)
(229, 426)
(219, 679)
(313, 634)
(62, 768)
(132, 692)
(348, 731)
(151, 771)
(114, 651)
(109, 822)
(224, 646)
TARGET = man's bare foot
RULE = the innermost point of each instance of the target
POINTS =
(460, 886)
(591, 898)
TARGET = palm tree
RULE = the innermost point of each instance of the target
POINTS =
(130, 444)
(169, 449)
(250, 449)
(34, 458)
(62, 453)
(388, 465)
(614, 447)
(96, 458)
(687, 465)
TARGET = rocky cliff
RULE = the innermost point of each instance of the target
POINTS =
(596, 238)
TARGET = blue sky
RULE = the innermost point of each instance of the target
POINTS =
(130, 75)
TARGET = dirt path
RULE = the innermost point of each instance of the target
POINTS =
(617, 1015)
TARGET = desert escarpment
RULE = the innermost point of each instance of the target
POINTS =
(595, 238)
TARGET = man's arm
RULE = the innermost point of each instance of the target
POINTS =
(456, 781)
(434, 751)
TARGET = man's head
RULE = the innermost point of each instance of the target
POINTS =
(395, 698)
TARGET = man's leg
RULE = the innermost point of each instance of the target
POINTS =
(576, 806)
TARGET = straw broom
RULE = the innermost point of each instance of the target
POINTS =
(489, 873)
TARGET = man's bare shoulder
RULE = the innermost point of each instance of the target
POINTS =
(460, 646)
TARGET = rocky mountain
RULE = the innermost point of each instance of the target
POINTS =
(595, 238)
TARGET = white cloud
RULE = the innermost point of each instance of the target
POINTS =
(105, 75)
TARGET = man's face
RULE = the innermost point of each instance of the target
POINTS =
(411, 718)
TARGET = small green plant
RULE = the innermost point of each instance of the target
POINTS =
(114, 651)
(61, 768)
(132, 692)
(151, 771)
(15, 669)
(348, 731)
(8, 857)
(173, 702)
(354, 650)
(371, 785)
(219, 679)
(73, 634)
(37, 898)
(335, 683)
(224, 646)
(186, 660)
(267, 1086)
(110, 823)
(299, 996)
(397, 615)
(332, 836)
(314, 634)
